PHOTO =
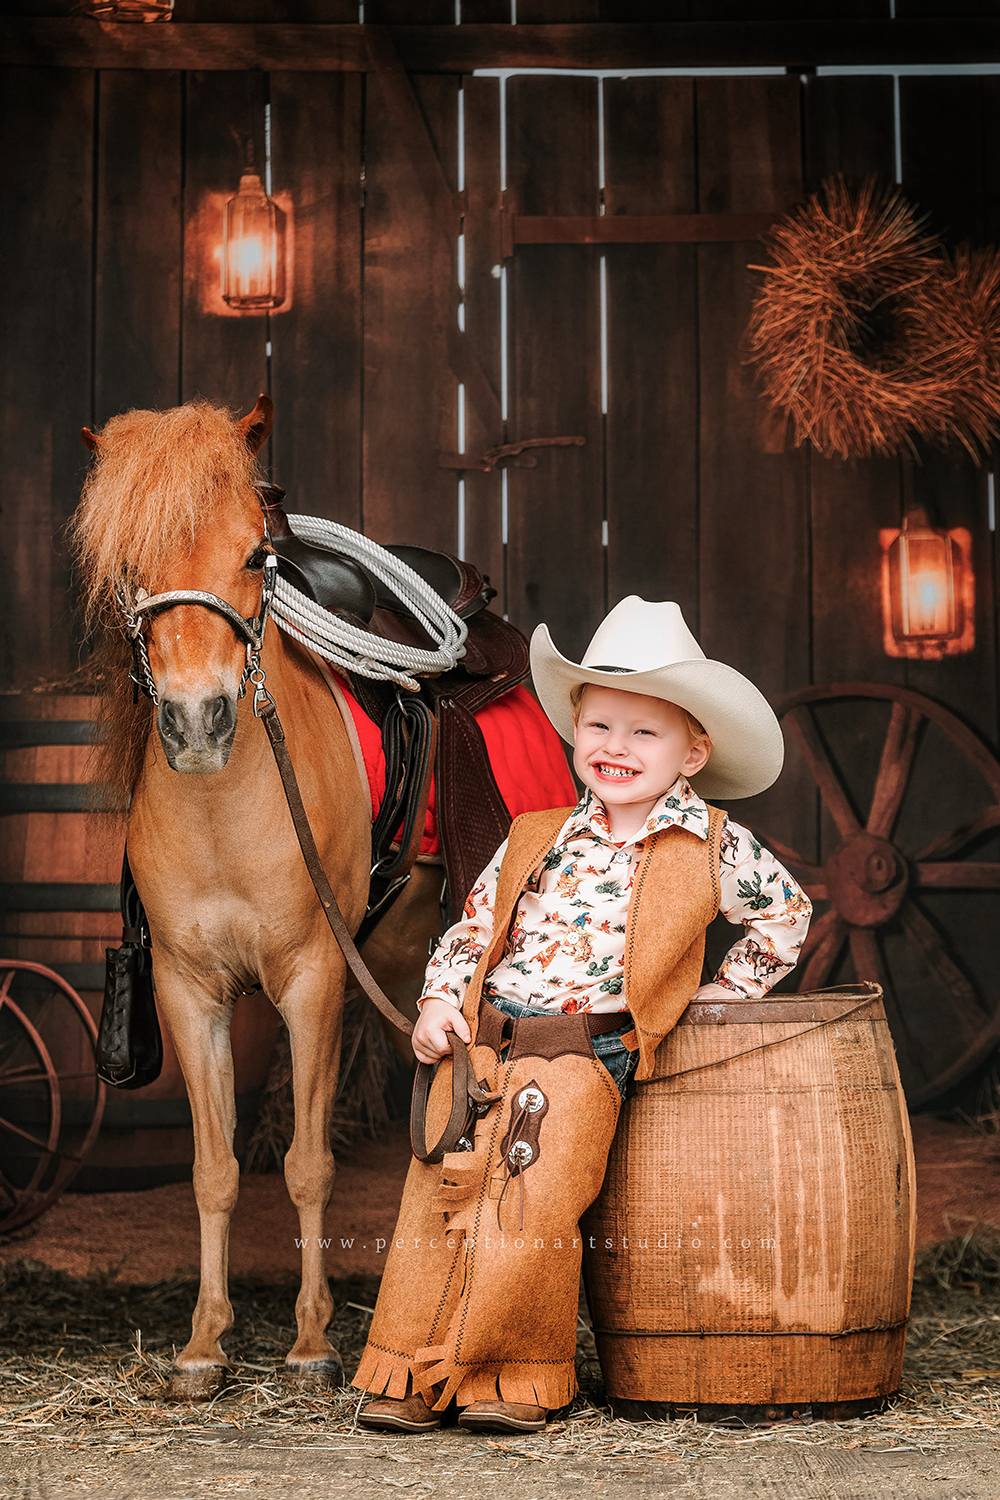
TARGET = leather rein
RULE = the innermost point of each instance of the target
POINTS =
(469, 1098)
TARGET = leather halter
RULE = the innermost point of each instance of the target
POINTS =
(248, 628)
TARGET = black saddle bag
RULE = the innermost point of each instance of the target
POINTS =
(129, 1044)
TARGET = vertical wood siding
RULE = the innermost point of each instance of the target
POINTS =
(686, 487)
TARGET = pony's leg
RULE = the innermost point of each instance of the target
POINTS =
(313, 1012)
(199, 1028)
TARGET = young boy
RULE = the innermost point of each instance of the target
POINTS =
(581, 943)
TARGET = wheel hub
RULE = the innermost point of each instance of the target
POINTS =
(867, 878)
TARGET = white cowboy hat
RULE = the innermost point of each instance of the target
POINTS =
(645, 647)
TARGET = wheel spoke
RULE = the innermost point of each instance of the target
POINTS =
(8, 1183)
(823, 944)
(811, 875)
(26, 1135)
(896, 761)
(831, 790)
(964, 1007)
(959, 876)
(959, 838)
(36, 1075)
(866, 955)
(8, 980)
(50, 1151)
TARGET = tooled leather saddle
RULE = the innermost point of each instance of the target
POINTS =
(472, 816)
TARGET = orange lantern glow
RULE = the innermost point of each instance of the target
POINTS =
(928, 590)
(253, 247)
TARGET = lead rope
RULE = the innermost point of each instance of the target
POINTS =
(467, 1095)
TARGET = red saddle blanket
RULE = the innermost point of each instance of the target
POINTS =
(526, 757)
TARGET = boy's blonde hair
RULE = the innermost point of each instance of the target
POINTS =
(695, 727)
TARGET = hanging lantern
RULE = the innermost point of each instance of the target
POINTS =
(928, 590)
(253, 246)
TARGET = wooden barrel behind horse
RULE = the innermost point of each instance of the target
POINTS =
(752, 1246)
(60, 863)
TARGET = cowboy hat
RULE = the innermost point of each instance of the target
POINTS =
(644, 646)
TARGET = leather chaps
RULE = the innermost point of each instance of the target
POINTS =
(480, 1290)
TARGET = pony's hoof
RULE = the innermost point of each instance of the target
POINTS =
(314, 1374)
(196, 1385)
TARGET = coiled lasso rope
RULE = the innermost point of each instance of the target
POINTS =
(357, 650)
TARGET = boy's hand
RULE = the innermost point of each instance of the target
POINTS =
(430, 1034)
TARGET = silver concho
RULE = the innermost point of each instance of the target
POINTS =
(530, 1099)
(520, 1154)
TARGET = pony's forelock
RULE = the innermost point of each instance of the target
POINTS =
(157, 477)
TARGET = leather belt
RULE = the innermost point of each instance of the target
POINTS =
(598, 1023)
(469, 1098)
(606, 1021)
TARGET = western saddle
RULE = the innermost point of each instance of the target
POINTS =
(434, 729)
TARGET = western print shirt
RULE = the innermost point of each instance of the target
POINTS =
(565, 950)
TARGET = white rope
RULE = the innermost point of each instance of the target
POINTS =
(357, 650)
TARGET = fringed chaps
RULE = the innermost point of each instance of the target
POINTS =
(480, 1290)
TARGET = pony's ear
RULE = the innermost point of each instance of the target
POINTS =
(256, 425)
(91, 439)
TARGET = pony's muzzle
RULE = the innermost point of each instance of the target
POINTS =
(197, 736)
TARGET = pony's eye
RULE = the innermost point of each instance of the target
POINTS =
(255, 561)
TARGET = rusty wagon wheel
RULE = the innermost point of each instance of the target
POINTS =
(909, 869)
(51, 1100)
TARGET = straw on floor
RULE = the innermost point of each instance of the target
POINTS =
(87, 1363)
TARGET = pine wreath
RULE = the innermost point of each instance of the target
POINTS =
(838, 331)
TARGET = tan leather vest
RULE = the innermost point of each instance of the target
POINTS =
(675, 895)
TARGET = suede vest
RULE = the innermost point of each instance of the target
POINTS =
(675, 895)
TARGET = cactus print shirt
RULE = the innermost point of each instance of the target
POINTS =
(565, 950)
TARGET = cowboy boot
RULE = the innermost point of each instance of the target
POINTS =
(502, 1416)
(410, 1414)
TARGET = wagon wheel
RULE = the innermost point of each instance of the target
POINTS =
(51, 1100)
(912, 795)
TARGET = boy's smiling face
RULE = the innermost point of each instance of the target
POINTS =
(630, 748)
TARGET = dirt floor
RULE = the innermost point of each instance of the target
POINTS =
(94, 1301)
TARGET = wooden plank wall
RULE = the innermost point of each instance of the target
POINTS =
(47, 124)
(684, 488)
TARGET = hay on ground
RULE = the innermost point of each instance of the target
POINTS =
(89, 1360)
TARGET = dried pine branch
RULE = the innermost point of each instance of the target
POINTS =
(957, 314)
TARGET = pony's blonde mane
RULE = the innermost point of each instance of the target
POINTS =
(156, 479)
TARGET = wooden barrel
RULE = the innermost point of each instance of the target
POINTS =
(60, 863)
(751, 1251)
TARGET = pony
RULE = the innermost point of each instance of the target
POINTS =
(169, 502)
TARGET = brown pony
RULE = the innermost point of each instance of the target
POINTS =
(169, 503)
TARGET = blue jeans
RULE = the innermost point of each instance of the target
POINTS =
(608, 1048)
